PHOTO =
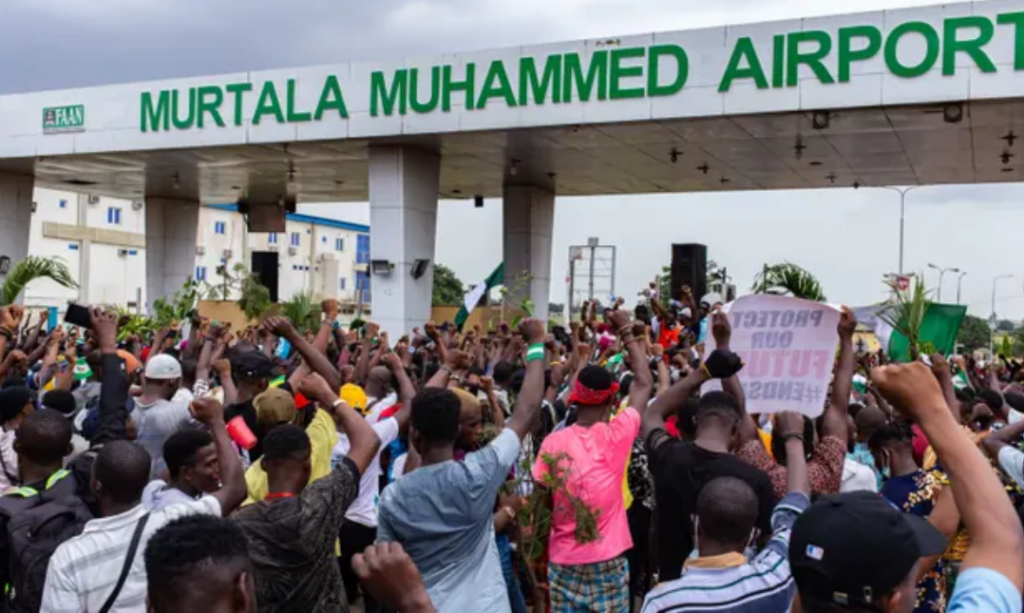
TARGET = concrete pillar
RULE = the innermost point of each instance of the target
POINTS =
(171, 227)
(403, 225)
(15, 216)
(529, 219)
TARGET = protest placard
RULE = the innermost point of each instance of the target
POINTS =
(788, 348)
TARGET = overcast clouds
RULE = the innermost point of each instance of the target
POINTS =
(849, 239)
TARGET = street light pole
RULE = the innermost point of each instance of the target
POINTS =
(942, 273)
(992, 317)
(903, 214)
(959, 281)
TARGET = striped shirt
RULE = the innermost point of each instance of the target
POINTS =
(763, 585)
(84, 570)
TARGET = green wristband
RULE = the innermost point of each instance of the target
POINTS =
(535, 352)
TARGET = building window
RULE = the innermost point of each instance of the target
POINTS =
(74, 247)
(63, 204)
(363, 287)
(363, 249)
(339, 244)
(342, 283)
(295, 239)
(323, 239)
(114, 216)
(272, 238)
(200, 273)
(220, 227)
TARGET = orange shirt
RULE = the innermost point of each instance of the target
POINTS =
(666, 337)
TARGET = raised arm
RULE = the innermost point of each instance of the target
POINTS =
(833, 422)
(370, 330)
(364, 440)
(158, 342)
(113, 413)
(210, 412)
(997, 542)
(10, 319)
(643, 383)
(527, 406)
(406, 390)
(316, 360)
(789, 427)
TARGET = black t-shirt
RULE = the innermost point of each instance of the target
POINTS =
(680, 470)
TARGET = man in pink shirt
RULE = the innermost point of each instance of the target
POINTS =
(591, 457)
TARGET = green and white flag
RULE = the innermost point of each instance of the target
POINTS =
(473, 296)
(940, 327)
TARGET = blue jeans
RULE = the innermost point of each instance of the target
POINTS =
(515, 593)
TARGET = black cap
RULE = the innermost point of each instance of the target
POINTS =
(851, 549)
(253, 365)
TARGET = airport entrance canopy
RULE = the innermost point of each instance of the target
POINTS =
(910, 96)
(902, 97)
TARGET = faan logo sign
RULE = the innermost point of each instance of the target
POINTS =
(60, 119)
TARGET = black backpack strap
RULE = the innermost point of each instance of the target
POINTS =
(129, 558)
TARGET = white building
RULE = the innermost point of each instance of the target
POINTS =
(103, 241)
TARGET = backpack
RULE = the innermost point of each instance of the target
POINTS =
(37, 523)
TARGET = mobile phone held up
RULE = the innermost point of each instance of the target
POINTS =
(78, 315)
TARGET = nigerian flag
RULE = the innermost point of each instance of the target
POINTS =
(473, 296)
(940, 328)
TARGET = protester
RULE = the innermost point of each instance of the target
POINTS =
(292, 531)
(157, 416)
(103, 564)
(682, 468)
(191, 458)
(442, 512)
(857, 552)
(720, 577)
(16, 403)
(588, 461)
(359, 530)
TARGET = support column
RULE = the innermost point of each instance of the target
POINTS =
(171, 227)
(403, 224)
(529, 219)
(15, 216)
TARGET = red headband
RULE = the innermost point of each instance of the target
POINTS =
(581, 394)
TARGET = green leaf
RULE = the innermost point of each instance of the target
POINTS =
(32, 268)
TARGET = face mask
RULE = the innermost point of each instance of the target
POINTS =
(749, 552)
(886, 471)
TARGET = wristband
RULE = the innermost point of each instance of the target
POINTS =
(535, 352)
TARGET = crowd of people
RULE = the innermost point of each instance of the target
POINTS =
(585, 468)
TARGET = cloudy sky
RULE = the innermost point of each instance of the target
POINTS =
(848, 238)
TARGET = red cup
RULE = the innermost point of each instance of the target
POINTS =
(240, 433)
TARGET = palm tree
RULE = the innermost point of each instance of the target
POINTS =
(31, 268)
(302, 310)
(788, 280)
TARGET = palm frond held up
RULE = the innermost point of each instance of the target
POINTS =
(788, 279)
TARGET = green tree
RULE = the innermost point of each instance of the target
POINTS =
(788, 280)
(1005, 325)
(974, 334)
(448, 289)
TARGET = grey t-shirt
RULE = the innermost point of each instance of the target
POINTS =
(155, 424)
(443, 517)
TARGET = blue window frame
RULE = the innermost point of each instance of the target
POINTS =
(363, 249)
(220, 227)
(341, 282)
(74, 247)
(339, 244)
(114, 216)
(200, 273)
(296, 237)
(272, 238)
(62, 204)
(363, 287)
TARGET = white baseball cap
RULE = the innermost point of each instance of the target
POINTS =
(163, 367)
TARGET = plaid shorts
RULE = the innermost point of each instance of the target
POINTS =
(590, 588)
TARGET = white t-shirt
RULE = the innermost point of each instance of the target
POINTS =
(379, 407)
(363, 509)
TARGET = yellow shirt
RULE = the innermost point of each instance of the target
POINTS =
(323, 436)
